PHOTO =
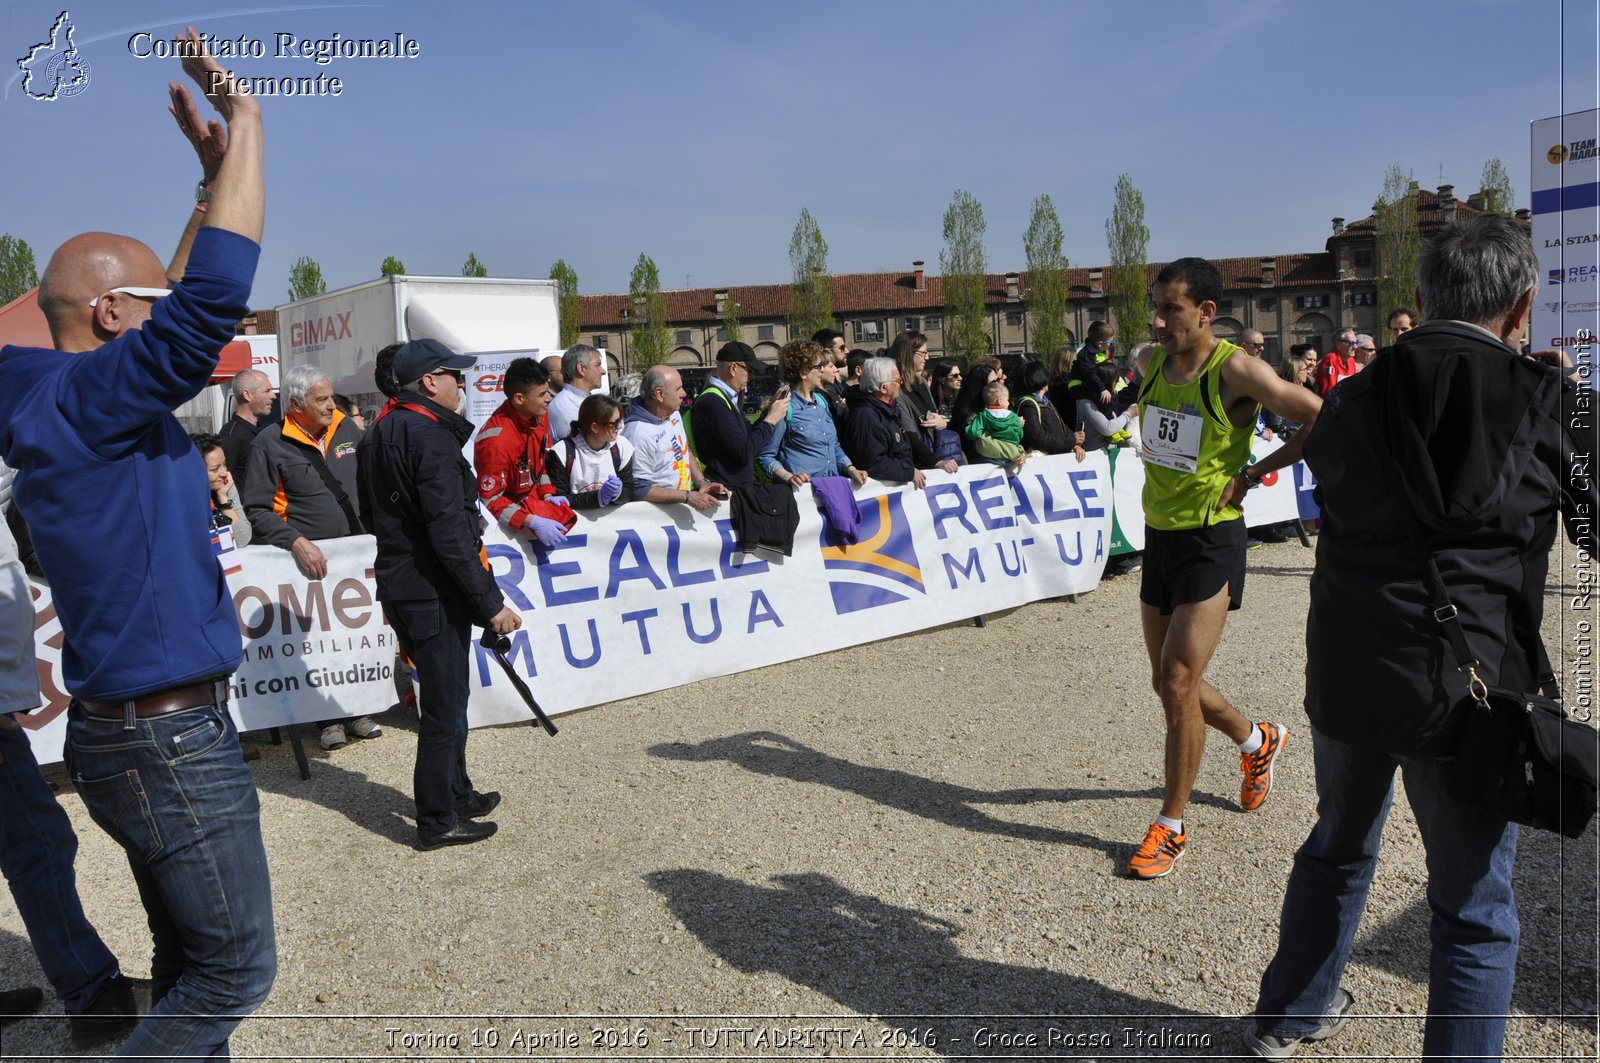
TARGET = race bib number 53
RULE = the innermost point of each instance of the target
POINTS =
(1171, 438)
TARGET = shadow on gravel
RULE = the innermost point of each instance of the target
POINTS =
(901, 967)
(373, 806)
(44, 1034)
(768, 753)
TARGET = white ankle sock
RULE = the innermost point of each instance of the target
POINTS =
(1253, 743)
(1174, 825)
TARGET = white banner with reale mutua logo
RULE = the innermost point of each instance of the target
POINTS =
(1565, 173)
(646, 597)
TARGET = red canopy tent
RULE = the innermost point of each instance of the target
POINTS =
(22, 323)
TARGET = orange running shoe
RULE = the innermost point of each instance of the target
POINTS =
(1257, 766)
(1157, 853)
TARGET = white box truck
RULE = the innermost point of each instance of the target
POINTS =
(342, 332)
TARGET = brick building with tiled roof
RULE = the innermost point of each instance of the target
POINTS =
(1294, 298)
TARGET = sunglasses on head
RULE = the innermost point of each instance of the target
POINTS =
(143, 293)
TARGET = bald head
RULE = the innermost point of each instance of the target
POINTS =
(86, 267)
(661, 389)
(1253, 342)
(552, 365)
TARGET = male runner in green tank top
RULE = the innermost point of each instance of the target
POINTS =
(1198, 405)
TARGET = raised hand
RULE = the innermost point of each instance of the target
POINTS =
(217, 83)
(210, 139)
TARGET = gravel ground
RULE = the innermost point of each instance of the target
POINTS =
(906, 850)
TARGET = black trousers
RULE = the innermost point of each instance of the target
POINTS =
(437, 636)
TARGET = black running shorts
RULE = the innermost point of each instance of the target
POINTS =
(1191, 565)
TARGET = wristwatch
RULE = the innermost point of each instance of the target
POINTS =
(1250, 477)
(202, 194)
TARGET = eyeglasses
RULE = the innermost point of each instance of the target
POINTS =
(142, 293)
(612, 425)
(458, 374)
(1368, 350)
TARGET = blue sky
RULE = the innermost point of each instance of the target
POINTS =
(695, 131)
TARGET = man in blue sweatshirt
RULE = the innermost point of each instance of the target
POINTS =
(150, 631)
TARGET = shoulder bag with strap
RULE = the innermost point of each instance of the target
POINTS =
(1519, 756)
(321, 465)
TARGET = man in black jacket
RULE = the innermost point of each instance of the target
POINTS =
(1454, 446)
(420, 499)
(724, 441)
(872, 434)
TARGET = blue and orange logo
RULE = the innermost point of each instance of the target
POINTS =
(884, 558)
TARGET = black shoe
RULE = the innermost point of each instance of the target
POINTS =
(19, 1003)
(465, 832)
(1272, 534)
(111, 1013)
(479, 804)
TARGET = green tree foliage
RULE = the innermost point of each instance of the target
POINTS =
(391, 267)
(730, 318)
(18, 272)
(811, 292)
(966, 272)
(651, 340)
(1047, 279)
(571, 309)
(1127, 239)
(1498, 195)
(1399, 241)
(305, 279)
(472, 267)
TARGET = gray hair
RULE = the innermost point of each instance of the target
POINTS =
(654, 377)
(298, 382)
(575, 356)
(248, 380)
(1342, 333)
(1362, 337)
(1476, 269)
(876, 372)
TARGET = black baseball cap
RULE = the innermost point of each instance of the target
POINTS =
(417, 359)
(734, 351)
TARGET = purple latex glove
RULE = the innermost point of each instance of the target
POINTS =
(610, 490)
(548, 532)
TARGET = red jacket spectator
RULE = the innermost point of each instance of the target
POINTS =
(1332, 369)
(509, 460)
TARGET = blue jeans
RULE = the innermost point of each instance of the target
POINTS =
(437, 634)
(174, 792)
(37, 847)
(1474, 927)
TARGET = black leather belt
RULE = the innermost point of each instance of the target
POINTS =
(162, 702)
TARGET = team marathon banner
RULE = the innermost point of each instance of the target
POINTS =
(646, 597)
